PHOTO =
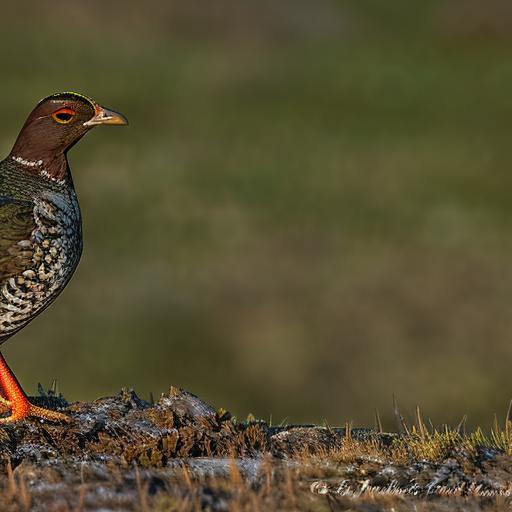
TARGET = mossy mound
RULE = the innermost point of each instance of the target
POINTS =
(124, 453)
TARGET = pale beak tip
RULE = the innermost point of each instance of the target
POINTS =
(106, 116)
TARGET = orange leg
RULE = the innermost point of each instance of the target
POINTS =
(15, 399)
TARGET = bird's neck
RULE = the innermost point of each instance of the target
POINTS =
(54, 167)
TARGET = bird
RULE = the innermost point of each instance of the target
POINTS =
(40, 225)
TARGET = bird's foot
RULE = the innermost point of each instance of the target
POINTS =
(13, 398)
(21, 408)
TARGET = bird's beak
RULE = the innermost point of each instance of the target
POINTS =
(105, 116)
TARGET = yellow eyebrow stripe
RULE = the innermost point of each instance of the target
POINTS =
(70, 93)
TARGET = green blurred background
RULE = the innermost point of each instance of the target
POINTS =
(310, 211)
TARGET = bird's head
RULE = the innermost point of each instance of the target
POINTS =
(57, 123)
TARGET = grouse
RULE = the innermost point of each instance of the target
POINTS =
(40, 224)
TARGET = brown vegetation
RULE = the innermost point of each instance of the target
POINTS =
(179, 454)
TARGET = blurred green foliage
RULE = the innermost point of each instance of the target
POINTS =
(310, 210)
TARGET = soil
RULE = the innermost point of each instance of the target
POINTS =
(177, 454)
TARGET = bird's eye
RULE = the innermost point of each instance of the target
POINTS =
(63, 115)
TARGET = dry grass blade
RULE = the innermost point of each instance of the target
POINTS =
(141, 492)
(185, 474)
(234, 473)
(348, 432)
(81, 491)
(400, 421)
(11, 481)
(378, 423)
(461, 427)
(508, 420)
(24, 496)
(422, 429)
(289, 490)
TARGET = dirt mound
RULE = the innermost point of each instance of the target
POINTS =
(124, 453)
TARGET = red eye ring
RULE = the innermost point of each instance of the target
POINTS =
(63, 115)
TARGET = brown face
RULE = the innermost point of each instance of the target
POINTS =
(57, 123)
